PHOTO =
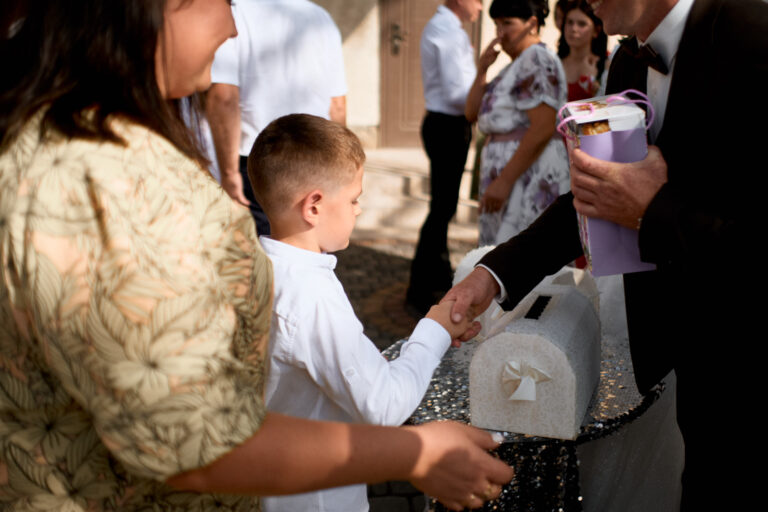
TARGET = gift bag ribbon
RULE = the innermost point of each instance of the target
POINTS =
(519, 379)
(618, 99)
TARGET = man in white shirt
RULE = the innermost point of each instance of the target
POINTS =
(447, 72)
(287, 58)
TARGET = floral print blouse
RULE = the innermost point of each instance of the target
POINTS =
(134, 316)
(535, 77)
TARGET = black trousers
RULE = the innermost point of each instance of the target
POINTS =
(262, 223)
(446, 140)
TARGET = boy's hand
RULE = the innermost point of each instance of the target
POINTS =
(464, 330)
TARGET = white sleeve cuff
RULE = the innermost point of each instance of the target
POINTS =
(430, 335)
(502, 296)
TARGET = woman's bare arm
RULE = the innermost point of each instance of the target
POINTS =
(446, 460)
(534, 141)
(475, 95)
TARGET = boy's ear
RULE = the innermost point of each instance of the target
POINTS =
(311, 206)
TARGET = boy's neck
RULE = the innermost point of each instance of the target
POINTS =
(302, 238)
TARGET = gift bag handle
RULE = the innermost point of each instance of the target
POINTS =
(619, 99)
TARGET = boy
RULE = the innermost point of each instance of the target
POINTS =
(307, 174)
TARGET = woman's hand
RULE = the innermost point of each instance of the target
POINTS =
(495, 195)
(488, 56)
(454, 466)
(288, 455)
(475, 94)
(538, 134)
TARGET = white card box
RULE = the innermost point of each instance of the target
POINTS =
(549, 349)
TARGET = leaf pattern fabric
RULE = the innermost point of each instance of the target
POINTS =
(135, 304)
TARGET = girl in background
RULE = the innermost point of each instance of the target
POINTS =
(583, 50)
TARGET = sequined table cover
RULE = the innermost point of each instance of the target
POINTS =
(547, 470)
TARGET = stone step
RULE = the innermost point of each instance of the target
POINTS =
(396, 196)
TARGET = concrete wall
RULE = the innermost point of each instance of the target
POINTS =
(358, 21)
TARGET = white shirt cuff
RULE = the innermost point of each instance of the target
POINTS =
(432, 336)
(502, 296)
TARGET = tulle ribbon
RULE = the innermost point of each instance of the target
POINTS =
(587, 109)
(519, 380)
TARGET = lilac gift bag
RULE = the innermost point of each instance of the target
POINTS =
(609, 128)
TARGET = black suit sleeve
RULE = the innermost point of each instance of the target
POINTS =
(542, 249)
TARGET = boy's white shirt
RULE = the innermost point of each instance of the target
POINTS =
(322, 366)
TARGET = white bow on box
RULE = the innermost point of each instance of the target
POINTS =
(519, 380)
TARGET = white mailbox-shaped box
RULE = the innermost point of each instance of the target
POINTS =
(537, 375)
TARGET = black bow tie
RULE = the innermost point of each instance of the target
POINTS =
(647, 55)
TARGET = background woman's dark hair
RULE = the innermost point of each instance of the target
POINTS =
(88, 60)
(520, 9)
(599, 44)
(560, 4)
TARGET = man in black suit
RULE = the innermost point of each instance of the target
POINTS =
(695, 202)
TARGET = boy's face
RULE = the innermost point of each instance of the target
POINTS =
(341, 208)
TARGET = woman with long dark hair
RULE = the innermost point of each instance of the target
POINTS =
(583, 50)
(134, 297)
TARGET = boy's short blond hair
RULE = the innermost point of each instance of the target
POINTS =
(298, 153)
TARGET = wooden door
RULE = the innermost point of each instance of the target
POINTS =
(402, 96)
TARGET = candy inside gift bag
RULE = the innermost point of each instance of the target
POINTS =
(610, 128)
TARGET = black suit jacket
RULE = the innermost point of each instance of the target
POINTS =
(703, 227)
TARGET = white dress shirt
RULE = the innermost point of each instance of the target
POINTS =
(447, 63)
(665, 40)
(286, 59)
(322, 366)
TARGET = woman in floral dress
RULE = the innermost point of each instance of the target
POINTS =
(524, 162)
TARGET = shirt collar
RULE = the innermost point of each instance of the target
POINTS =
(283, 251)
(449, 15)
(665, 38)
